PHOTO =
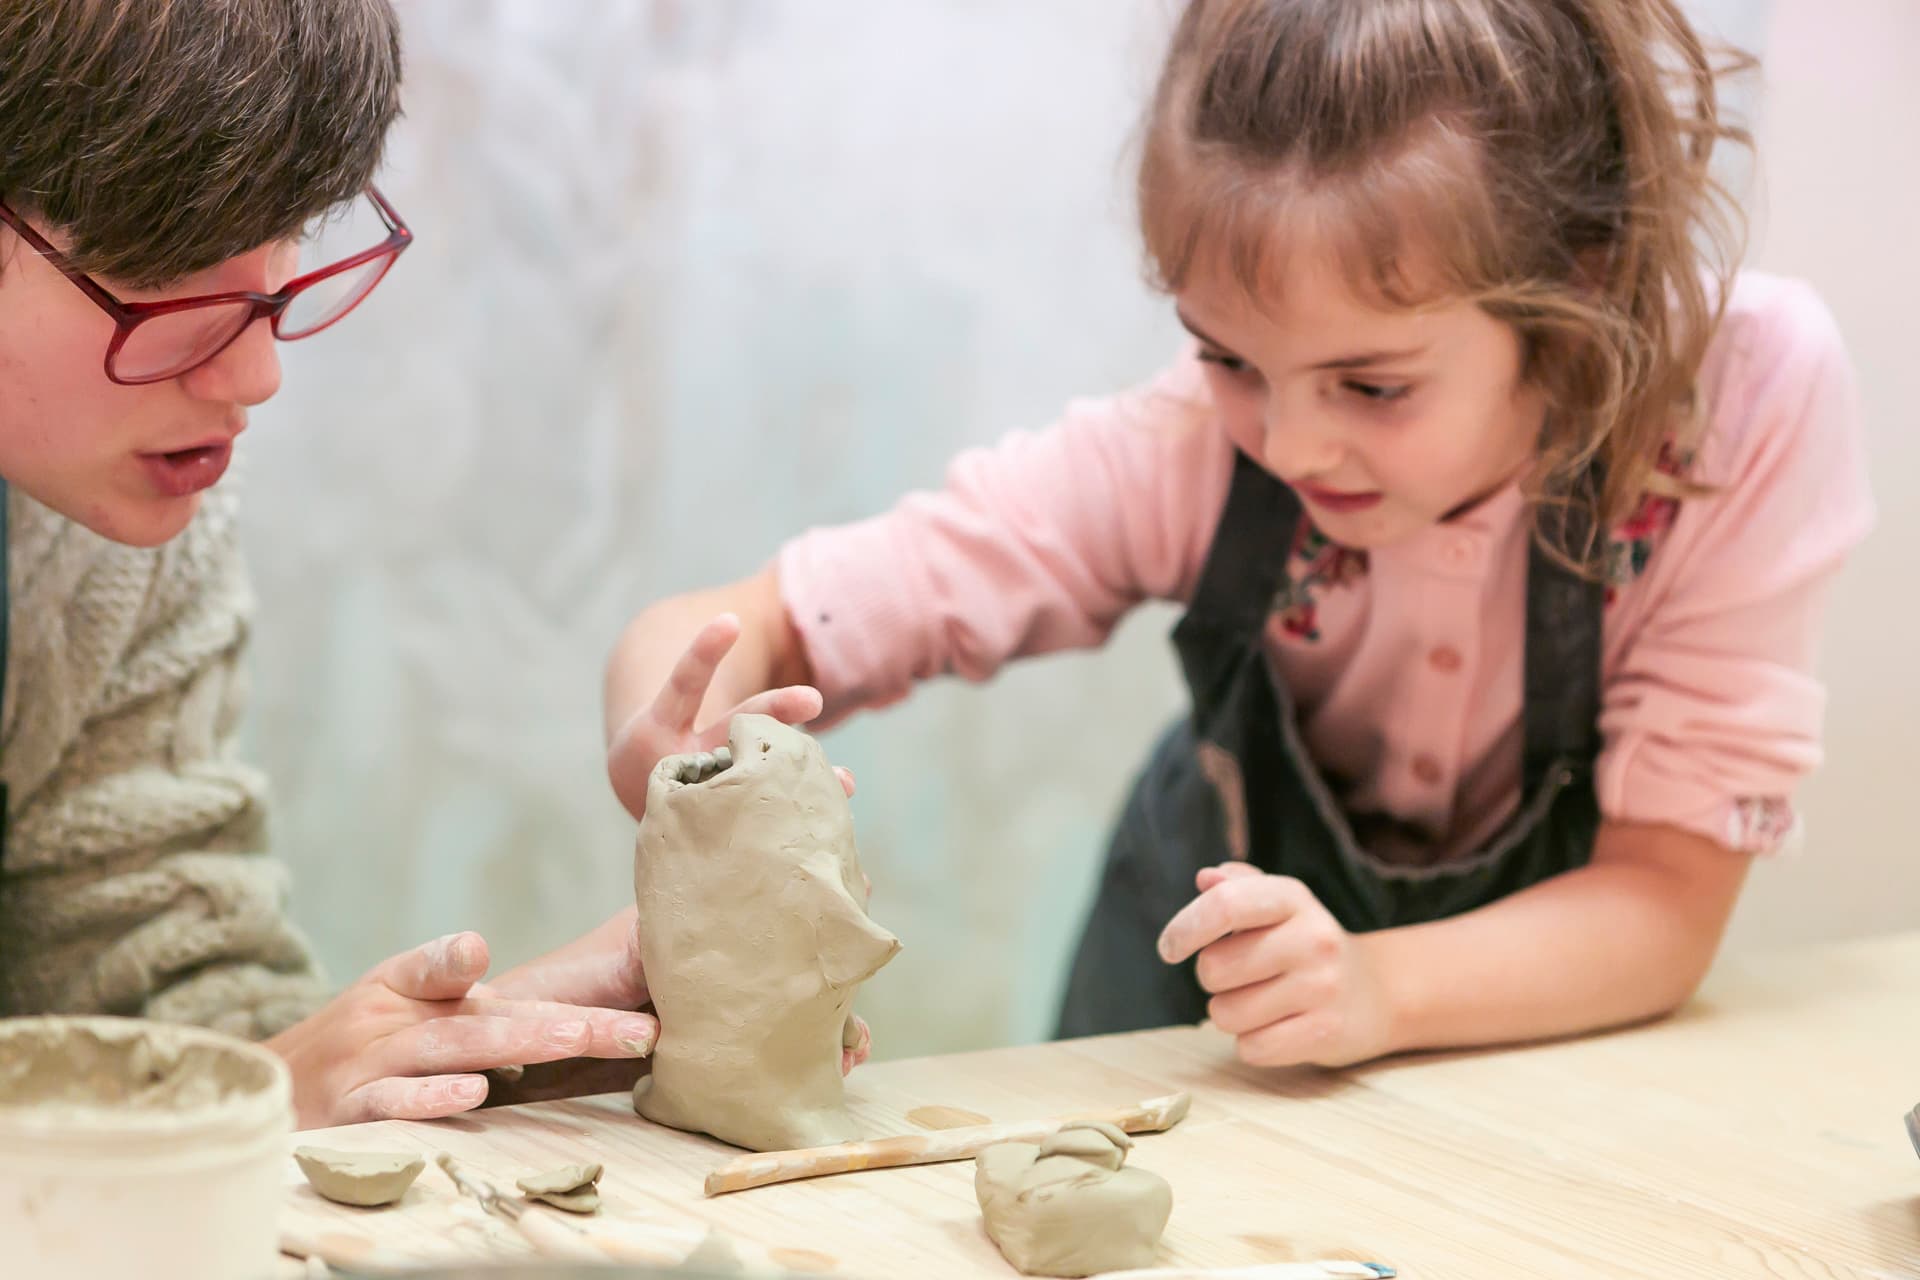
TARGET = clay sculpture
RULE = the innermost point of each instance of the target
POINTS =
(755, 937)
(364, 1178)
(1065, 1207)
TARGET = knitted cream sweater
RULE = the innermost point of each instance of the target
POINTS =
(135, 879)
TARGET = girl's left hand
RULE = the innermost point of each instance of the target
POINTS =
(1287, 981)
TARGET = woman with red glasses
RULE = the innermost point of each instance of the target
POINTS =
(170, 206)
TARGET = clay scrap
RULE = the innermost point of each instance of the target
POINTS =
(755, 937)
(1066, 1206)
(367, 1179)
(571, 1187)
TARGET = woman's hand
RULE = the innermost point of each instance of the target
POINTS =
(1288, 983)
(410, 1040)
(667, 726)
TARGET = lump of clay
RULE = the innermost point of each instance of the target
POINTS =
(570, 1187)
(363, 1178)
(1065, 1207)
(754, 935)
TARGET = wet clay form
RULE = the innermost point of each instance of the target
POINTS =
(755, 937)
(570, 1187)
(117, 1067)
(364, 1178)
(1065, 1207)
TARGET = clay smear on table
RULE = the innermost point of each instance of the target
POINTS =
(755, 937)
(1065, 1206)
(366, 1179)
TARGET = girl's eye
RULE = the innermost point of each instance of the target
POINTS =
(1232, 364)
(1379, 392)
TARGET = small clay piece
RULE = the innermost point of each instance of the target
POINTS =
(1065, 1207)
(570, 1187)
(754, 936)
(363, 1178)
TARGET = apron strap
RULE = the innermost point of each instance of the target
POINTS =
(1560, 717)
(1260, 522)
(1565, 613)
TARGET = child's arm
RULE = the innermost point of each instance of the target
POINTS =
(1040, 543)
(683, 667)
(1627, 937)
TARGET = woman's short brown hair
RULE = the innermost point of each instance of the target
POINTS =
(162, 137)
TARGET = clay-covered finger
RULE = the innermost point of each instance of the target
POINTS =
(444, 969)
(1243, 902)
(678, 702)
(413, 1098)
(611, 1033)
(482, 1042)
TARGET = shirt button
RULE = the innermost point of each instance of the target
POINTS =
(1446, 659)
(1426, 769)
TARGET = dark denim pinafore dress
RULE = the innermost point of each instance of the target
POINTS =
(1175, 821)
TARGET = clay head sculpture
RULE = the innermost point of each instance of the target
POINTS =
(755, 936)
(1064, 1206)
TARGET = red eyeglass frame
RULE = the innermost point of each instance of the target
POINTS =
(127, 316)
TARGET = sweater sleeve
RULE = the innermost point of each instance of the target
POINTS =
(135, 878)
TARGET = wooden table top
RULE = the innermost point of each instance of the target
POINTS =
(1757, 1133)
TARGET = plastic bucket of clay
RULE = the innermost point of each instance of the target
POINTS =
(132, 1148)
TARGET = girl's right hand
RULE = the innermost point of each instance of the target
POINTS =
(667, 726)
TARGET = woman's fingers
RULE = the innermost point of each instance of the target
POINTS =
(412, 1098)
(481, 1042)
(611, 1033)
(444, 969)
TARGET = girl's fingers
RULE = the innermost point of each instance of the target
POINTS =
(678, 702)
(857, 1053)
(1232, 906)
(482, 1042)
(1211, 876)
(794, 704)
(846, 783)
(1250, 1008)
(412, 1098)
(444, 969)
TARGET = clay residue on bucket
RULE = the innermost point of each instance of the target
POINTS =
(85, 1064)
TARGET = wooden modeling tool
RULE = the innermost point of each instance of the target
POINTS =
(749, 1171)
(541, 1227)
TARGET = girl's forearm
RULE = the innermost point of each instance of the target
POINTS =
(1627, 937)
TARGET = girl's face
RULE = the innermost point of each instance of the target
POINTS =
(1383, 421)
(127, 462)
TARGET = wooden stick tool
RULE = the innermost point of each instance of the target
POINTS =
(744, 1172)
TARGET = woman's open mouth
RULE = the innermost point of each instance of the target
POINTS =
(188, 471)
